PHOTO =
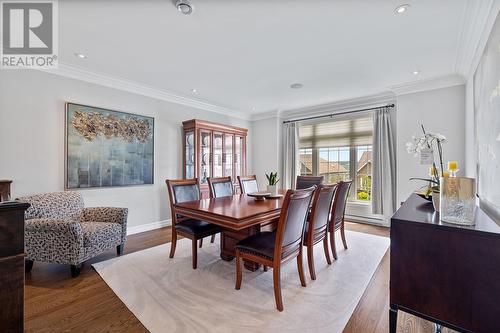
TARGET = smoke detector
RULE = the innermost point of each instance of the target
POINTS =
(184, 6)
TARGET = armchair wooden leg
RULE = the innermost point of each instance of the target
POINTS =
(201, 242)
(28, 265)
(332, 244)
(342, 234)
(300, 267)
(327, 251)
(239, 276)
(75, 270)
(194, 254)
(119, 249)
(212, 239)
(173, 244)
(277, 286)
(310, 262)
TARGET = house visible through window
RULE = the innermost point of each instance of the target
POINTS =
(339, 150)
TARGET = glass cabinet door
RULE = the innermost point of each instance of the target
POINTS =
(238, 156)
(228, 155)
(189, 162)
(205, 155)
(218, 150)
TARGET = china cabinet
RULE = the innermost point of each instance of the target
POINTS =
(213, 150)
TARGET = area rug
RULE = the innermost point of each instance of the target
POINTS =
(167, 295)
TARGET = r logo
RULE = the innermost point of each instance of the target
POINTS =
(27, 27)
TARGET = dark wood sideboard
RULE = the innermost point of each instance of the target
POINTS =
(12, 266)
(445, 273)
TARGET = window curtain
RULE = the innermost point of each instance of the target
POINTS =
(290, 154)
(384, 164)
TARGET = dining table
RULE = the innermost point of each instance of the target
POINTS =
(239, 216)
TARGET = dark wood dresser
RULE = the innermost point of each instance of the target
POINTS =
(12, 266)
(445, 273)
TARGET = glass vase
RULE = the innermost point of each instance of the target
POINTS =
(458, 200)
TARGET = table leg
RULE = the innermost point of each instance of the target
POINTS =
(226, 257)
(393, 319)
(250, 265)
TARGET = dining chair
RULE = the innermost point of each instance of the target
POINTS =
(183, 190)
(316, 229)
(274, 248)
(308, 181)
(337, 216)
(248, 184)
(219, 187)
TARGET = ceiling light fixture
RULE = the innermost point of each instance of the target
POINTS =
(296, 85)
(194, 91)
(184, 6)
(401, 9)
(81, 56)
(416, 72)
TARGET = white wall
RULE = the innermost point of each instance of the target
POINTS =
(441, 111)
(32, 139)
(266, 148)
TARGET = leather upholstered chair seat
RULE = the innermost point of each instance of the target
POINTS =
(192, 226)
(261, 245)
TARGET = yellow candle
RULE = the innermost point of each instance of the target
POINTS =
(452, 166)
(446, 174)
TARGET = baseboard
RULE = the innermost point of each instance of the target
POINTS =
(368, 220)
(148, 227)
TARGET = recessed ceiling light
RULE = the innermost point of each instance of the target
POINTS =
(81, 56)
(416, 72)
(401, 9)
(184, 6)
(253, 108)
(296, 85)
(194, 91)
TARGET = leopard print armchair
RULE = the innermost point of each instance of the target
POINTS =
(59, 229)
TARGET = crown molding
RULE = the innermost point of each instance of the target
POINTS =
(266, 115)
(81, 74)
(427, 84)
(477, 20)
(344, 105)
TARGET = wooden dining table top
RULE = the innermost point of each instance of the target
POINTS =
(235, 212)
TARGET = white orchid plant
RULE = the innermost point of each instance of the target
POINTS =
(431, 142)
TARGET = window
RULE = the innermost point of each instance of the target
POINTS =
(340, 151)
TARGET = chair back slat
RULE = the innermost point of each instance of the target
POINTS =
(220, 187)
(339, 203)
(292, 219)
(182, 190)
(304, 182)
(248, 184)
(321, 207)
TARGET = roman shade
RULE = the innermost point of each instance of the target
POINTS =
(350, 131)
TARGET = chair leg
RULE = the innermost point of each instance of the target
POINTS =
(212, 239)
(28, 265)
(194, 255)
(310, 262)
(277, 287)
(342, 233)
(201, 242)
(239, 275)
(173, 244)
(119, 249)
(300, 267)
(75, 270)
(327, 251)
(332, 244)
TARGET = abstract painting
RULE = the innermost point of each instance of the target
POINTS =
(106, 148)
(487, 124)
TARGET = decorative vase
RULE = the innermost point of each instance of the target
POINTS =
(273, 189)
(435, 201)
(458, 200)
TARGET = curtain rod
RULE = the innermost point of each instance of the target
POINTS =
(331, 115)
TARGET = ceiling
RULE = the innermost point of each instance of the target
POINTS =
(244, 55)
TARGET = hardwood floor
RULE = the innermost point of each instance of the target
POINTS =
(57, 303)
